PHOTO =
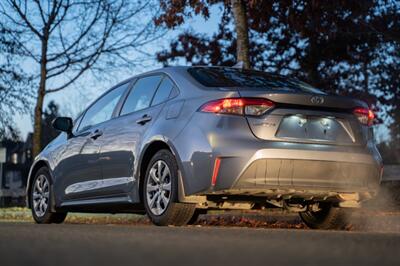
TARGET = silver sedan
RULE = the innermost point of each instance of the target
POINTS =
(178, 141)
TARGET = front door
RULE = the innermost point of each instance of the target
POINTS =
(79, 173)
(79, 169)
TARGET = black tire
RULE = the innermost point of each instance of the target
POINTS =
(48, 216)
(328, 218)
(174, 213)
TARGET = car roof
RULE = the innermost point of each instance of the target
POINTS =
(178, 69)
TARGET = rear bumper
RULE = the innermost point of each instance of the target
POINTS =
(309, 170)
(249, 166)
(280, 172)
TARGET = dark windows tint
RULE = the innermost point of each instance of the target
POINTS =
(163, 91)
(232, 77)
(103, 108)
(141, 94)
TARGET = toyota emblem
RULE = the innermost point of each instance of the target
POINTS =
(317, 100)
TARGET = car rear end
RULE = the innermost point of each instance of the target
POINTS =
(333, 141)
(280, 141)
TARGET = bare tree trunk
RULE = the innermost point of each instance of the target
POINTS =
(313, 62)
(37, 127)
(242, 32)
(313, 56)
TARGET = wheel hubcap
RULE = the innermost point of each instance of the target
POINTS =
(158, 187)
(40, 195)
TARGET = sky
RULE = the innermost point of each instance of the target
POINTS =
(75, 98)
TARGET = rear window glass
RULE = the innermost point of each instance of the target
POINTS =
(232, 77)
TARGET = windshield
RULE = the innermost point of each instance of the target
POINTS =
(247, 79)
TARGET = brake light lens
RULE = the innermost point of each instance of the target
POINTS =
(215, 171)
(238, 106)
(365, 116)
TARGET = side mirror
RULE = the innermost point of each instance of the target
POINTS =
(63, 124)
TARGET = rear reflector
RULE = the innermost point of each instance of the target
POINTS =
(364, 115)
(215, 171)
(238, 106)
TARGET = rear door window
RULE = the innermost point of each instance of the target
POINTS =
(141, 94)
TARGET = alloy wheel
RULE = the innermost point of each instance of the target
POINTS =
(41, 195)
(158, 187)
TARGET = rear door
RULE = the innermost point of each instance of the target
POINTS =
(123, 135)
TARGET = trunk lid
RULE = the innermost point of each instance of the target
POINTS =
(314, 101)
(308, 118)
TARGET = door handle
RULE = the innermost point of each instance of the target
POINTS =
(143, 120)
(97, 133)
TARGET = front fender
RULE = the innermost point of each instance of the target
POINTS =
(36, 165)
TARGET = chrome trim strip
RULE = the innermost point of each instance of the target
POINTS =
(122, 199)
(97, 184)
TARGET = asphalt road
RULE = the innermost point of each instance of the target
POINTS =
(69, 244)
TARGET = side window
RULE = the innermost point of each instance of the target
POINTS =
(103, 109)
(141, 94)
(163, 91)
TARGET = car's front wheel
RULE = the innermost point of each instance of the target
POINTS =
(328, 217)
(40, 199)
(160, 192)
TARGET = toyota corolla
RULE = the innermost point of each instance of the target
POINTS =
(176, 142)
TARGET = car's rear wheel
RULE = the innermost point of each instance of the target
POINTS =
(160, 192)
(328, 217)
(40, 199)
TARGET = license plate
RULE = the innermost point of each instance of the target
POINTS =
(312, 128)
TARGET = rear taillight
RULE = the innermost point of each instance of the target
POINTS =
(364, 115)
(238, 106)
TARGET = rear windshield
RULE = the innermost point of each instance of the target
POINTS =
(247, 79)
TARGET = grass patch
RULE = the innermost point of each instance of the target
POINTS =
(18, 214)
